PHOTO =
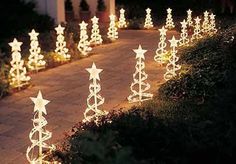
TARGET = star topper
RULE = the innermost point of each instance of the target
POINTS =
(206, 13)
(112, 17)
(189, 11)
(173, 42)
(39, 103)
(140, 52)
(95, 19)
(83, 25)
(122, 10)
(94, 72)
(169, 10)
(197, 20)
(148, 10)
(212, 16)
(184, 24)
(60, 29)
(163, 30)
(15, 45)
(33, 35)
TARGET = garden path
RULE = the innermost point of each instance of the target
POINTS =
(66, 87)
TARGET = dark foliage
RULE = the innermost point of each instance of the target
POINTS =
(84, 5)
(18, 17)
(68, 5)
(101, 5)
(206, 68)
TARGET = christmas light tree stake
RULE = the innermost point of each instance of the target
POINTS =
(184, 34)
(18, 77)
(172, 67)
(39, 134)
(139, 87)
(84, 45)
(148, 20)
(122, 20)
(61, 44)
(161, 52)
(96, 38)
(169, 20)
(36, 61)
(94, 99)
(112, 30)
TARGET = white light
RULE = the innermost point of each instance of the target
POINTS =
(184, 34)
(197, 30)
(96, 38)
(84, 45)
(161, 52)
(61, 44)
(38, 135)
(18, 77)
(206, 23)
(94, 100)
(36, 61)
(139, 86)
(112, 30)
(169, 20)
(189, 17)
(172, 67)
(212, 29)
(122, 21)
(148, 20)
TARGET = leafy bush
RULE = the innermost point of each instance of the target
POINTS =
(4, 71)
(206, 68)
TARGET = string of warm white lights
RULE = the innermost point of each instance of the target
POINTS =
(172, 67)
(139, 86)
(169, 20)
(94, 100)
(61, 44)
(197, 30)
(84, 45)
(213, 29)
(184, 40)
(36, 61)
(38, 135)
(206, 23)
(189, 17)
(161, 52)
(18, 77)
(122, 21)
(148, 20)
(112, 30)
(96, 38)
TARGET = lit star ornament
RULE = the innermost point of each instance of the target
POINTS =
(40, 103)
(139, 87)
(122, 21)
(59, 29)
(169, 20)
(96, 38)
(197, 30)
(15, 45)
(94, 100)
(39, 135)
(94, 72)
(33, 35)
(189, 17)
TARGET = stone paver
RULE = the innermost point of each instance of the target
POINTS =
(67, 88)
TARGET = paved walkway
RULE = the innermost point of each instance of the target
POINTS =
(67, 88)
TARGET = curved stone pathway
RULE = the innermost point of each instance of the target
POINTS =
(66, 87)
